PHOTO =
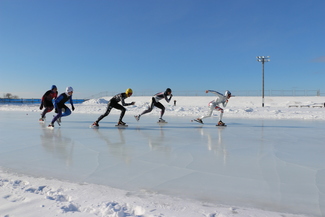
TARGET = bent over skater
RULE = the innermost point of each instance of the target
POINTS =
(46, 101)
(214, 105)
(60, 106)
(113, 103)
(155, 102)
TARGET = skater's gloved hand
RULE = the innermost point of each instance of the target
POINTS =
(41, 107)
(132, 103)
(56, 110)
(72, 108)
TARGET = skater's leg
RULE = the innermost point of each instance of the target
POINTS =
(57, 116)
(119, 107)
(162, 107)
(46, 110)
(149, 108)
(44, 113)
(221, 113)
(211, 108)
(220, 117)
(66, 112)
(108, 110)
(208, 115)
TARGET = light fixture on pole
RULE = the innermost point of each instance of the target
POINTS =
(263, 59)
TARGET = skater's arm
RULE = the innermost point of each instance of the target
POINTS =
(41, 106)
(122, 97)
(166, 98)
(45, 96)
(42, 101)
(71, 103)
(214, 92)
(56, 95)
(225, 103)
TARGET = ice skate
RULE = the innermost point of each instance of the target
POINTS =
(199, 120)
(220, 123)
(137, 117)
(162, 121)
(94, 125)
(51, 126)
(121, 124)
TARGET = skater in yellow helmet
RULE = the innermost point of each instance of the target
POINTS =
(113, 103)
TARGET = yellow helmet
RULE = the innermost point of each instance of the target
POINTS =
(129, 92)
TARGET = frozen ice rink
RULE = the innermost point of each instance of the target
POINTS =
(276, 165)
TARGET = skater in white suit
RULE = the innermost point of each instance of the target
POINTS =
(214, 105)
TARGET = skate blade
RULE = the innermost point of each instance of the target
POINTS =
(121, 126)
(194, 120)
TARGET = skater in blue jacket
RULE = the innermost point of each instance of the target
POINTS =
(60, 106)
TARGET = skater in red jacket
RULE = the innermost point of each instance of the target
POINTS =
(46, 101)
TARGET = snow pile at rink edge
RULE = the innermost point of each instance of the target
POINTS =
(22, 195)
(303, 108)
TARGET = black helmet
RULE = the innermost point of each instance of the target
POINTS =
(168, 90)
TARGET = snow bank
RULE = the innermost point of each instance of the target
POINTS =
(305, 108)
(28, 196)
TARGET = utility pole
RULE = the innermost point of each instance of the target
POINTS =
(263, 59)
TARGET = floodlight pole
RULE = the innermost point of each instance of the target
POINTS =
(263, 59)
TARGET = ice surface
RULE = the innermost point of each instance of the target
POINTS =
(276, 165)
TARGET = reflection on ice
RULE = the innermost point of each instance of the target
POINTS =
(57, 145)
(276, 165)
(215, 145)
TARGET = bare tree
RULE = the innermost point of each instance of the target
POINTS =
(9, 96)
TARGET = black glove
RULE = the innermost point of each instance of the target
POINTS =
(56, 110)
(72, 108)
(41, 107)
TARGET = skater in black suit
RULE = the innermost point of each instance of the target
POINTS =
(155, 102)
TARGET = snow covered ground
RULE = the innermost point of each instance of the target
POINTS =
(304, 108)
(266, 162)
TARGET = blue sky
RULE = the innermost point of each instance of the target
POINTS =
(148, 45)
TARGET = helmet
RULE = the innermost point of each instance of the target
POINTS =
(53, 86)
(168, 90)
(68, 89)
(129, 92)
(227, 93)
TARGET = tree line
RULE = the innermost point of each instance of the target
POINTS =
(10, 96)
